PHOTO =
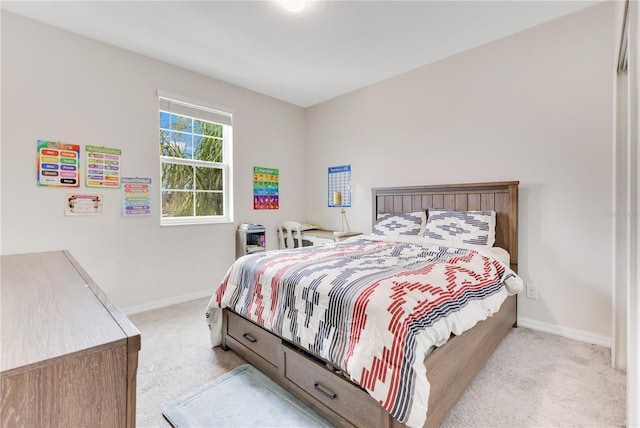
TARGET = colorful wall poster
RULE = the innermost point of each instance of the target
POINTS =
(339, 194)
(266, 188)
(58, 164)
(136, 196)
(83, 204)
(103, 167)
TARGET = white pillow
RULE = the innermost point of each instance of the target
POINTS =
(394, 224)
(469, 227)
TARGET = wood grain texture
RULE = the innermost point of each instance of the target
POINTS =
(254, 338)
(335, 392)
(69, 355)
(46, 301)
(452, 367)
(86, 391)
(501, 197)
(267, 364)
(133, 337)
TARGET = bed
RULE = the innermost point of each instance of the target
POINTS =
(329, 384)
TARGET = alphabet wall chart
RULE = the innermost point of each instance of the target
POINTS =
(266, 188)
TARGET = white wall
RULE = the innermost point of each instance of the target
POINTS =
(633, 189)
(535, 107)
(63, 87)
(620, 226)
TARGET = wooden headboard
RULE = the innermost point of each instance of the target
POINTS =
(501, 197)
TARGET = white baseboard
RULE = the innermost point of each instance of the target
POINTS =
(570, 333)
(567, 332)
(156, 304)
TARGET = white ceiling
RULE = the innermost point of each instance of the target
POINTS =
(329, 49)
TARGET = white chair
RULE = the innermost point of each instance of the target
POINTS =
(288, 231)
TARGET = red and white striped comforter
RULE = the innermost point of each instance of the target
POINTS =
(372, 306)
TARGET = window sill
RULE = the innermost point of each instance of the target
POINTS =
(190, 221)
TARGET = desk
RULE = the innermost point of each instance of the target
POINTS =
(322, 236)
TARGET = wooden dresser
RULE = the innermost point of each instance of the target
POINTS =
(68, 355)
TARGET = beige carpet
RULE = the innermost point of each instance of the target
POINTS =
(533, 379)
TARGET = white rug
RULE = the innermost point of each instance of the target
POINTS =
(244, 397)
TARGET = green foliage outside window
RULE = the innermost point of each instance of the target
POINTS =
(191, 153)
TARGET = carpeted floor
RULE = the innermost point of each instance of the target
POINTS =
(533, 379)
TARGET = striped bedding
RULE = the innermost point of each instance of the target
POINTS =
(372, 306)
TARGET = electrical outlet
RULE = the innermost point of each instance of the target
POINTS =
(532, 291)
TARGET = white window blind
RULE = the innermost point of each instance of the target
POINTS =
(194, 111)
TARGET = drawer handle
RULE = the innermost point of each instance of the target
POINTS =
(323, 389)
(250, 338)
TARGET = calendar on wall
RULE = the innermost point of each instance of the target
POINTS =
(339, 194)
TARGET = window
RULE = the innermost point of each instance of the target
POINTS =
(195, 163)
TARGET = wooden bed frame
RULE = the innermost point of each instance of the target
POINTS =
(450, 368)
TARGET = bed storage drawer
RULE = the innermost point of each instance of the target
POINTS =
(255, 338)
(334, 392)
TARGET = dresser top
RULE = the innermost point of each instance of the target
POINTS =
(50, 308)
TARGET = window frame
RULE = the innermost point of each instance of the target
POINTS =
(226, 165)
